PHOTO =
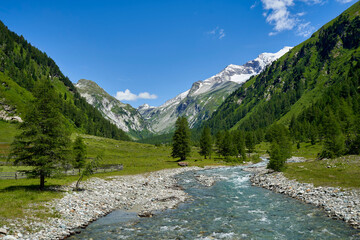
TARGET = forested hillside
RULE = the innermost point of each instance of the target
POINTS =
(314, 89)
(22, 65)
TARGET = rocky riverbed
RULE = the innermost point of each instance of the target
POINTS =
(338, 203)
(144, 194)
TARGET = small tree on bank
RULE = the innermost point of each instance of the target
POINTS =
(181, 139)
(79, 152)
(87, 170)
(44, 140)
(206, 143)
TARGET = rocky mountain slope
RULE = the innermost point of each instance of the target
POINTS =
(316, 84)
(204, 97)
(22, 66)
(122, 115)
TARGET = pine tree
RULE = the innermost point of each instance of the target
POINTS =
(227, 147)
(250, 142)
(334, 141)
(79, 152)
(181, 139)
(239, 141)
(219, 141)
(206, 143)
(44, 140)
(280, 148)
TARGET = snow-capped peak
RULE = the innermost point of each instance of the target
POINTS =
(198, 102)
(237, 73)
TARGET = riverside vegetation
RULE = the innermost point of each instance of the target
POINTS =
(305, 104)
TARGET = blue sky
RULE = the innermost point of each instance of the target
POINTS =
(157, 49)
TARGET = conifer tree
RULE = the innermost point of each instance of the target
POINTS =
(181, 139)
(44, 140)
(227, 147)
(239, 141)
(219, 141)
(250, 142)
(334, 141)
(79, 152)
(206, 142)
(280, 149)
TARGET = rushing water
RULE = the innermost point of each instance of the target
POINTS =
(231, 209)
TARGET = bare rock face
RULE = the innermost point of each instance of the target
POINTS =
(122, 115)
(8, 113)
(204, 97)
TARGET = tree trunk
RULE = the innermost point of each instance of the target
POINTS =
(42, 181)
(78, 182)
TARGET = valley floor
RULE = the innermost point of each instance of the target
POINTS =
(142, 193)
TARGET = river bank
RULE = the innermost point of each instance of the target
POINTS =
(143, 193)
(338, 203)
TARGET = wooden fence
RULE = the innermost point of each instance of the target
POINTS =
(102, 169)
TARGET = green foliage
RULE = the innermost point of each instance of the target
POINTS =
(333, 138)
(227, 147)
(44, 141)
(89, 169)
(321, 74)
(206, 143)
(239, 141)
(338, 172)
(181, 139)
(22, 66)
(250, 141)
(280, 148)
(79, 153)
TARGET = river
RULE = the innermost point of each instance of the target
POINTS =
(231, 209)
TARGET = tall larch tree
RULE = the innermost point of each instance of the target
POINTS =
(206, 142)
(44, 139)
(181, 139)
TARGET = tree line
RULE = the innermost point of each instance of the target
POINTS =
(26, 65)
(233, 145)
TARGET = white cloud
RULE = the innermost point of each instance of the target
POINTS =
(344, 1)
(254, 5)
(217, 32)
(127, 95)
(305, 29)
(278, 13)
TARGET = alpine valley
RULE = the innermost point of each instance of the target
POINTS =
(265, 150)
(204, 97)
(197, 104)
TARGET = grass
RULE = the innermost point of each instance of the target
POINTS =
(139, 158)
(14, 168)
(306, 150)
(21, 198)
(7, 131)
(341, 172)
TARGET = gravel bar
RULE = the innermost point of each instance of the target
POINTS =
(338, 203)
(143, 193)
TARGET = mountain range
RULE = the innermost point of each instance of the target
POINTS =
(304, 84)
(204, 97)
(197, 104)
